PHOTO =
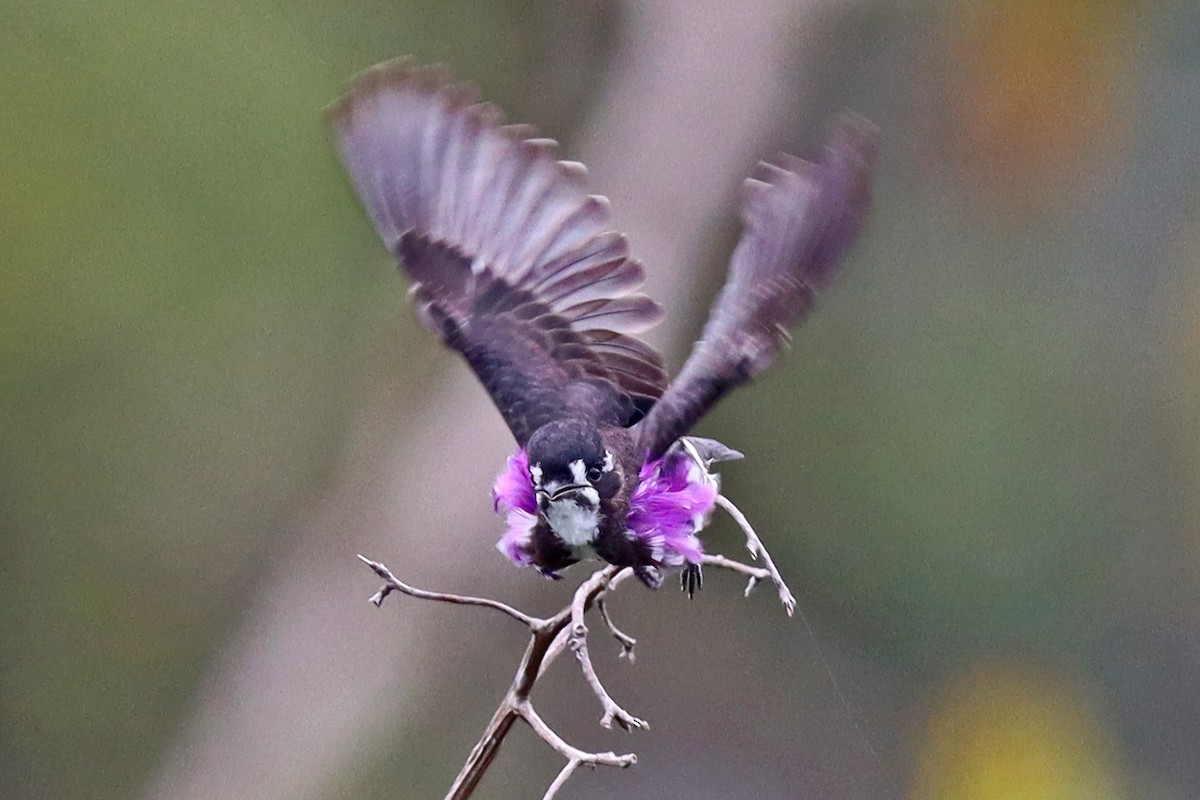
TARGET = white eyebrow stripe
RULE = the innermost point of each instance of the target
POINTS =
(608, 461)
(579, 471)
(535, 472)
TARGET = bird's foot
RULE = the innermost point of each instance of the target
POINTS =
(651, 576)
(691, 580)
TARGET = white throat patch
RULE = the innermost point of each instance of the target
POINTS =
(575, 524)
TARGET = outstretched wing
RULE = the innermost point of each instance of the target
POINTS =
(799, 219)
(512, 262)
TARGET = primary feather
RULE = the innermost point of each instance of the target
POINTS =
(513, 263)
(799, 219)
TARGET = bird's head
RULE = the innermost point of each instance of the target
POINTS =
(570, 468)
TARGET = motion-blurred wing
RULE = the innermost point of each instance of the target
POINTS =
(799, 219)
(512, 263)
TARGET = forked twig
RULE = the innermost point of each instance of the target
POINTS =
(758, 550)
(547, 734)
(627, 641)
(578, 644)
(394, 584)
(548, 638)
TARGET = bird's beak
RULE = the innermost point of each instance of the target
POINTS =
(569, 489)
(583, 494)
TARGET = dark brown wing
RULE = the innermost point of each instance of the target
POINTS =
(512, 262)
(799, 219)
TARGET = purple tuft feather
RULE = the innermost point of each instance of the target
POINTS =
(514, 487)
(512, 495)
(672, 503)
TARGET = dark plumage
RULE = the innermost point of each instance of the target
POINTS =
(512, 264)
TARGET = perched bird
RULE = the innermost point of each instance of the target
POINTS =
(513, 264)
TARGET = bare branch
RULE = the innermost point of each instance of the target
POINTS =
(484, 752)
(530, 668)
(756, 574)
(627, 641)
(562, 778)
(549, 637)
(611, 709)
(547, 735)
(394, 584)
(578, 644)
(601, 582)
(561, 639)
(757, 549)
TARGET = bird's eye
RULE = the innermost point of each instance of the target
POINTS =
(594, 474)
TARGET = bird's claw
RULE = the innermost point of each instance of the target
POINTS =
(691, 580)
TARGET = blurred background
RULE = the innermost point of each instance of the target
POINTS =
(978, 467)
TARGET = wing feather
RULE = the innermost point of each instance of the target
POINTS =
(799, 219)
(633, 314)
(609, 278)
(512, 262)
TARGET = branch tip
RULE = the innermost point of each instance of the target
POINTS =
(758, 550)
(394, 584)
(627, 642)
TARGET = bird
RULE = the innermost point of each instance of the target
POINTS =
(514, 264)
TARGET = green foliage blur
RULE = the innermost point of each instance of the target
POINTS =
(990, 426)
(186, 283)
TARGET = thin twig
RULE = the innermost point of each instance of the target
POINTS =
(547, 735)
(755, 546)
(394, 584)
(756, 574)
(627, 641)
(611, 709)
(578, 644)
(561, 639)
(615, 578)
(567, 770)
